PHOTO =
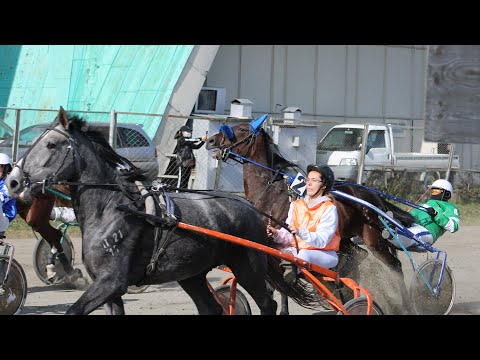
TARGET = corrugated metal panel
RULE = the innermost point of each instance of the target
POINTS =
(418, 91)
(330, 97)
(398, 82)
(351, 80)
(278, 85)
(8, 63)
(370, 62)
(256, 72)
(300, 77)
(225, 71)
(93, 77)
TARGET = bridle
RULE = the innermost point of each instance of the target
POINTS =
(70, 148)
(226, 151)
(49, 180)
(249, 141)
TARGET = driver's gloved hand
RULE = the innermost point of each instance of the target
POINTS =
(431, 211)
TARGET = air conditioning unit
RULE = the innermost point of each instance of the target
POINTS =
(211, 100)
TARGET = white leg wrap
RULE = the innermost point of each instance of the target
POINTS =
(50, 272)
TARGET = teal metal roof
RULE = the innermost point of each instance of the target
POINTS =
(124, 78)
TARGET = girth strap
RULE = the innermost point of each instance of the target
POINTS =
(159, 248)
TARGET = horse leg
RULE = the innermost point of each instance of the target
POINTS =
(284, 304)
(38, 217)
(196, 287)
(253, 281)
(283, 300)
(104, 290)
(115, 307)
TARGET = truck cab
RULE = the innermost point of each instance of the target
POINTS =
(341, 149)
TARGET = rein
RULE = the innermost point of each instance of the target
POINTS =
(388, 196)
(234, 156)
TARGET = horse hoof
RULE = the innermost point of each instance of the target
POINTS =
(53, 280)
(81, 284)
(75, 275)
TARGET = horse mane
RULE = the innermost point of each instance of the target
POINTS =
(102, 147)
(278, 161)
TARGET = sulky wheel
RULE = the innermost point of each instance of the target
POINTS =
(13, 292)
(359, 306)
(242, 307)
(423, 301)
(40, 259)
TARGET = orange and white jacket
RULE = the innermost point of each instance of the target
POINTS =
(317, 223)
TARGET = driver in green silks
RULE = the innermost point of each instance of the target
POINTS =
(441, 216)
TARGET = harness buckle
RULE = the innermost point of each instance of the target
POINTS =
(225, 154)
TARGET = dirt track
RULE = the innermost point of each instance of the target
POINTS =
(463, 250)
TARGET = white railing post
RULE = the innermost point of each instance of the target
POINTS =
(112, 135)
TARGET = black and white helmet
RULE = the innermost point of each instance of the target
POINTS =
(5, 160)
(7, 164)
(444, 185)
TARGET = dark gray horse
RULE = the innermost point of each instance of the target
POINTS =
(118, 246)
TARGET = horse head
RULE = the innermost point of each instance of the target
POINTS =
(242, 139)
(66, 151)
(34, 171)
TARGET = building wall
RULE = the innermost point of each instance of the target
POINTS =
(125, 78)
(345, 83)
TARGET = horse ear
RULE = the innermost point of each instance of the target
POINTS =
(62, 116)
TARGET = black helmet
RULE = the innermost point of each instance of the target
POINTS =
(328, 176)
(179, 132)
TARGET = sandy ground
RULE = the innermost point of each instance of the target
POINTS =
(463, 250)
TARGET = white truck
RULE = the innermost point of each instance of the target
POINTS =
(341, 149)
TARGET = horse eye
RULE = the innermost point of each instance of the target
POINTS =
(50, 145)
(243, 129)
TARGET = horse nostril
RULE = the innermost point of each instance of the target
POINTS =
(13, 184)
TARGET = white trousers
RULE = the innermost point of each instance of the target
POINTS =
(63, 214)
(327, 259)
(415, 229)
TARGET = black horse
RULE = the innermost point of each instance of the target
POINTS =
(264, 185)
(120, 247)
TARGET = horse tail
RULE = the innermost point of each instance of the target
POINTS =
(401, 215)
(300, 291)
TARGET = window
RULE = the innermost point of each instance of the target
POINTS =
(210, 101)
(343, 139)
(376, 139)
(132, 138)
